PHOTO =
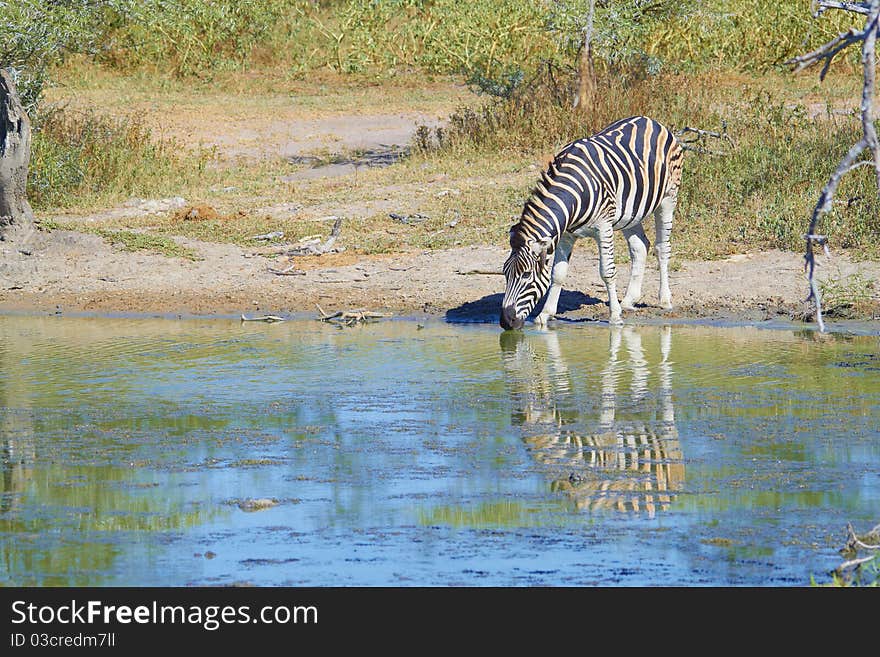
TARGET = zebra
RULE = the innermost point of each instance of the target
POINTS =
(594, 186)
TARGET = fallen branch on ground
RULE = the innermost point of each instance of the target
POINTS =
(854, 542)
(274, 235)
(314, 247)
(487, 272)
(850, 570)
(263, 318)
(349, 317)
(291, 270)
(697, 136)
(409, 219)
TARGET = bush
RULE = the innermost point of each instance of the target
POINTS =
(192, 37)
(76, 155)
(753, 35)
(494, 43)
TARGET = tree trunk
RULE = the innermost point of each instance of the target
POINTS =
(586, 80)
(15, 155)
(586, 73)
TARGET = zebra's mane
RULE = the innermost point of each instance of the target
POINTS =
(541, 190)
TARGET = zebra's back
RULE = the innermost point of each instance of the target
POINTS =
(625, 170)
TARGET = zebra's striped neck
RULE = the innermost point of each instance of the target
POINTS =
(566, 196)
(533, 227)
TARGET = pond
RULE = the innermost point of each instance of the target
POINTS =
(177, 452)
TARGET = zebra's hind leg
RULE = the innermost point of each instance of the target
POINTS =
(638, 254)
(560, 269)
(663, 228)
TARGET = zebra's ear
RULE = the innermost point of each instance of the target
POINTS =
(517, 240)
(542, 247)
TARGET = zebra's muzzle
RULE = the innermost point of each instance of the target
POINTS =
(509, 320)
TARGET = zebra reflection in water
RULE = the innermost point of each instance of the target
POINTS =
(629, 460)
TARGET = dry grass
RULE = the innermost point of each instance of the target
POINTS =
(473, 190)
(219, 110)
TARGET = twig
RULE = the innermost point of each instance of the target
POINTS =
(275, 234)
(487, 272)
(409, 219)
(853, 542)
(349, 317)
(707, 133)
(290, 270)
(698, 135)
(852, 563)
(848, 569)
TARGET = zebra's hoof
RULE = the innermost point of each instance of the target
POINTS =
(542, 319)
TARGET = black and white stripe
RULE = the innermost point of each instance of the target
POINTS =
(610, 181)
(630, 461)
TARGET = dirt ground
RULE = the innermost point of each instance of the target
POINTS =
(62, 271)
(68, 272)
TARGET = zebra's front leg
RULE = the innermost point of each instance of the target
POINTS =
(608, 270)
(638, 254)
(560, 270)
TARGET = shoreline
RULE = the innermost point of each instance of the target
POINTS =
(69, 273)
(844, 327)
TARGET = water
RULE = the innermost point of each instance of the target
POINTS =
(158, 452)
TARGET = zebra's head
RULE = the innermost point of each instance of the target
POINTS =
(527, 270)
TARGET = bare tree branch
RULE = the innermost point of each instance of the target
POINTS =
(855, 7)
(854, 543)
(826, 52)
(869, 141)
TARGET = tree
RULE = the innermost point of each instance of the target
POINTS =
(15, 155)
(35, 35)
(853, 158)
(586, 69)
(613, 31)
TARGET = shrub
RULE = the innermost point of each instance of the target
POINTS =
(77, 154)
(191, 37)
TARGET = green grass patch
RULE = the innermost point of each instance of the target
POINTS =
(133, 241)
